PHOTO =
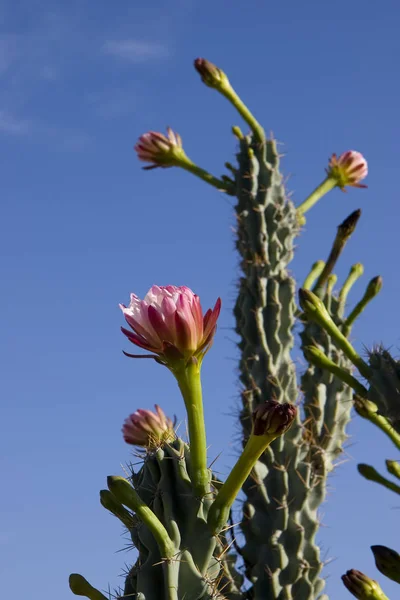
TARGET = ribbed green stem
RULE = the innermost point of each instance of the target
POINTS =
(189, 382)
(319, 359)
(372, 474)
(326, 186)
(219, 512)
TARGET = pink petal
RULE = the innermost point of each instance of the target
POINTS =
(138, 341)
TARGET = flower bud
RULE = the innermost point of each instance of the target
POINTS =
(387, 562)
(160, 150)
(149, 429)
(348, 169)
(362, 587)
(211, 75)
(273, 418)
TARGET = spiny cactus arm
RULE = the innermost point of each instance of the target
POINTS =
(387, 562)
(81, 587)
(362, 587)
(316, 357)
(373, 289)
(393, 466)
(215, 78)
(124, 492)
(369, 410)
(316, 311)
(370, 473)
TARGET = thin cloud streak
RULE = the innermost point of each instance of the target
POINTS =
(136, 51)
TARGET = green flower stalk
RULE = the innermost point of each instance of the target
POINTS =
(373, 289)
(316, 311)
(270, 421)
(346, 170)
(387, 562)
(370, 473)
(362, 587)
(369, 410)
(215, 78)
(167, 151)
(169, 323)
(316, 357)
(355, 273)
(81, 587)
(393, 466)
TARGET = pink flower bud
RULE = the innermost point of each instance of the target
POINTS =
(149, 429)
(210, 74)
(349, 169)
(169, 322)
(272, 417)
(160, 150)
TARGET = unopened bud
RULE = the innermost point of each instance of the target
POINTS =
(387, 562)
(211, 75)
(273, 418)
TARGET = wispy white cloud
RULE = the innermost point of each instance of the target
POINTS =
(136, 51)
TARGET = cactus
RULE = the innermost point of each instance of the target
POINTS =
(175, 510)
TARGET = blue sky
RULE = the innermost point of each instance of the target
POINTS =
(82, 226)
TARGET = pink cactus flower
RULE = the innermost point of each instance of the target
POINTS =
(160, 150)
(169, 322)
(149, 429)
(349, 169)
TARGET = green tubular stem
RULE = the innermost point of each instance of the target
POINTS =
(124, 492)
(381, 422)
(368, 472)
(319, 359)
(219, 512)
(326, 186)
(111, 504)
(231, 95)
(315, 272)
(372, 290)
(316, 311)
(355, 273)
(171, 580)
(189, 382)
(191, 167)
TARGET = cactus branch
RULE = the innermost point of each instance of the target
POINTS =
(316, 357)
(372, 474)
(189, 383)
(124, 492)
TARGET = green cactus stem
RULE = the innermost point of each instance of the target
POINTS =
(370, 473)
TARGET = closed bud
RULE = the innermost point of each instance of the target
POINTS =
(273, 418)
(387, 562)
(362, 587)
(211, 75)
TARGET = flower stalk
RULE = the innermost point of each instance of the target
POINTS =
(369, 410)
(370, 473)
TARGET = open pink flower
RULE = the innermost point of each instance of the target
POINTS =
(348, 169)
(160, 150)
(169, 322)
(149, 429)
